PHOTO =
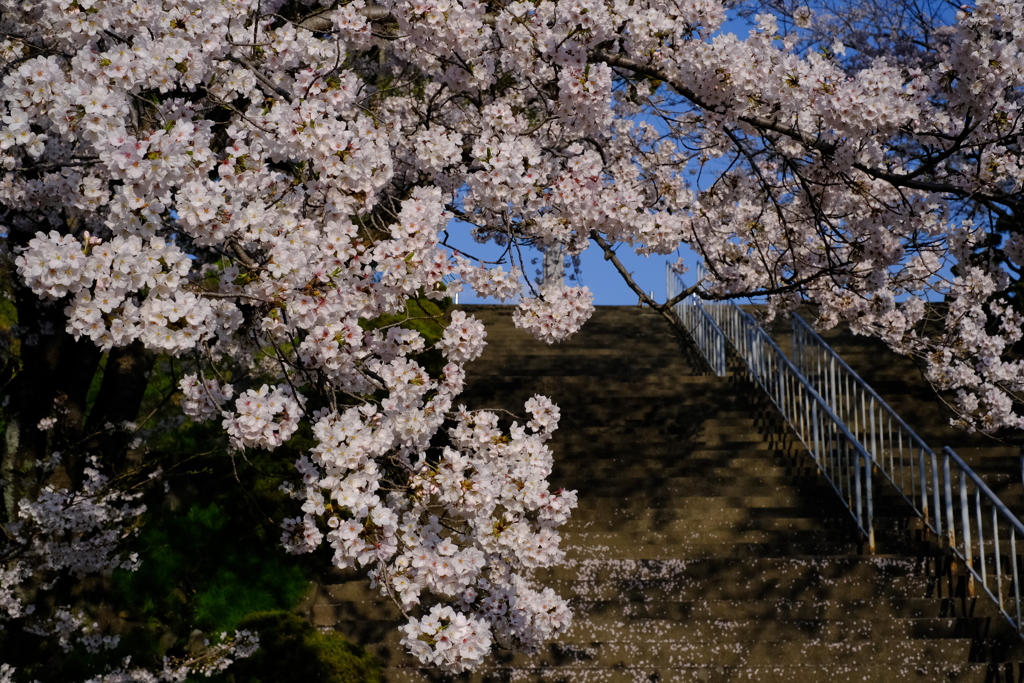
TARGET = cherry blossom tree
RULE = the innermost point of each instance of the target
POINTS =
(253, 183)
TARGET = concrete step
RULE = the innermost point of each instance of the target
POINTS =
(498, 386)
(680, 442)
(637, 470)
(624, 467)
(984, 632)
(730, 508)
(764, 587)
(690, 480)
(789, 503)
(727, 484)
(665, 520)
(768, 610)
(738, 570)
(689, 590)
(636, 450)
(582, 369)
(613, 654)
(680, 550)
(675, 431)
(617, 612)
(776, 673)
(682, 539)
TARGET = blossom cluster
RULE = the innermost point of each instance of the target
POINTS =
(264, 418)
(202, 400)
(77, 532)
(556, 314)
(105, 278)
(464, 339)
(494, 283)
(211, 659)
(65, 533)
(448, 639)
(479, 517)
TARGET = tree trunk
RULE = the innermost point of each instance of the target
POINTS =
(119, 399)
(53, 381)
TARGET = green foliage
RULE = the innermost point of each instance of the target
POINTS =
(8, 314)
(292, 650)
(426, 316)
(95, 384)
(205, 569)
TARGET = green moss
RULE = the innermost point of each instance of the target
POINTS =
(255, 586)
(292, 650)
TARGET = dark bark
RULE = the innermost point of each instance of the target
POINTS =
(119, 399)
(53, 381)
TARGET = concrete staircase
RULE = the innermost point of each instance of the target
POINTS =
(705, 547)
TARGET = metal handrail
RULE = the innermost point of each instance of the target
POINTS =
(840, 457)
(849, 430)
(971, 548)
(902, 456)
(930, 489)
(702, 327)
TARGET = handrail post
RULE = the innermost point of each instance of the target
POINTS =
(868, 466)
(981, 539)
(924, 488)
(950, 527)
(857, 489)
(935, 497)
(998, 556)
(1016, 580)
(965, 522)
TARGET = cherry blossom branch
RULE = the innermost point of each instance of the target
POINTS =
(827, 149)
(255, 70)
(609, 255)
(242, 255)
(375, 13)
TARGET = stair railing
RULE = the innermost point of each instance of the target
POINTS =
(902, 456)
(839, 455)
(702, 328)
(850, 431)
(951, 499)
(997, 529)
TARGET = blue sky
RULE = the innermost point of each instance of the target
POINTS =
(599, 275)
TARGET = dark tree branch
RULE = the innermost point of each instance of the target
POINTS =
(274, 88)
(53, 381)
